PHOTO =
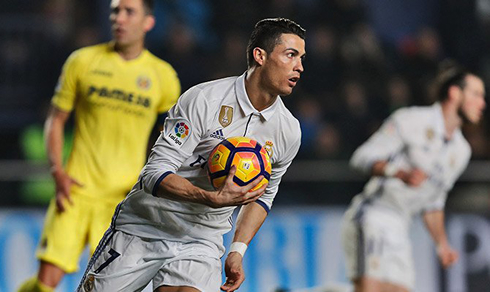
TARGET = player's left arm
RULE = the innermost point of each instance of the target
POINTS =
(433, 214)
(249, 220)
(434, 222)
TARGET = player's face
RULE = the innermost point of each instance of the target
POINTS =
(473, 100)
(284, 65)
(130, 22)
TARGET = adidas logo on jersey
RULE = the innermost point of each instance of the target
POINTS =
(218, 134)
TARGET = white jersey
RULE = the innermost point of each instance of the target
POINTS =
(204, 116)
(412, 137)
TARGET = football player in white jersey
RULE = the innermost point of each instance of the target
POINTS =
(414, 159)
(169, 230)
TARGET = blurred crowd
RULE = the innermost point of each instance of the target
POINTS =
(365, 58)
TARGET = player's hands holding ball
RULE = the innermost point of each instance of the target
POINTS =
(231, 194)
(239, 169)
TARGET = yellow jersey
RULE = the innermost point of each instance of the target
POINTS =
(116, 104)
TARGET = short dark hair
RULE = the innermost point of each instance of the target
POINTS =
(149, 6)
(450, 74)
(267, 33)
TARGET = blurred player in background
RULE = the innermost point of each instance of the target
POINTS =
(169, 230)
(414, 160)
(117, 90)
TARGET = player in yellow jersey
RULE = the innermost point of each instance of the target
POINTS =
(116, 91)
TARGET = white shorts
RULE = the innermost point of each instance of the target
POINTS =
(123, 262)
(377, 245)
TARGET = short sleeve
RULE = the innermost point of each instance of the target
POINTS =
(66, 90)
(438, 204)
(181, 134)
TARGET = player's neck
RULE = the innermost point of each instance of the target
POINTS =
(259, 96)
(452, 120)
(129, 52)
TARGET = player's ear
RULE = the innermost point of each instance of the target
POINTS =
(259, 55)
(454, 92)
(149, 22)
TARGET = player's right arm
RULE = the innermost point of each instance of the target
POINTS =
(54, 136)
(63, 103)
(374, 157)
(178, 188)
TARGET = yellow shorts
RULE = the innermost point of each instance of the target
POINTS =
(66, 234)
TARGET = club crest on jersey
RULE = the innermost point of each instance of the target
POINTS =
(430, 134)
(268, 147)
(179, 132)
(143, 82)
(88, 285)
(225, 115)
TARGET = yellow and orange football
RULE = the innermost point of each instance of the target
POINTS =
(249, 157)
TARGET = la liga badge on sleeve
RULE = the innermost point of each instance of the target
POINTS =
(179, 132)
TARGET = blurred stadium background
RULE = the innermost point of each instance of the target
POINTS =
(365, 58)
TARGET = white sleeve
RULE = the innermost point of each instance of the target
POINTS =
(382, 145)
(279, 168)
(181, 134)
(438, 204)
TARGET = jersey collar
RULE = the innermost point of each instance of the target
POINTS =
(247, 106)
(439, 126)
(439, 122)
(142, 56)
